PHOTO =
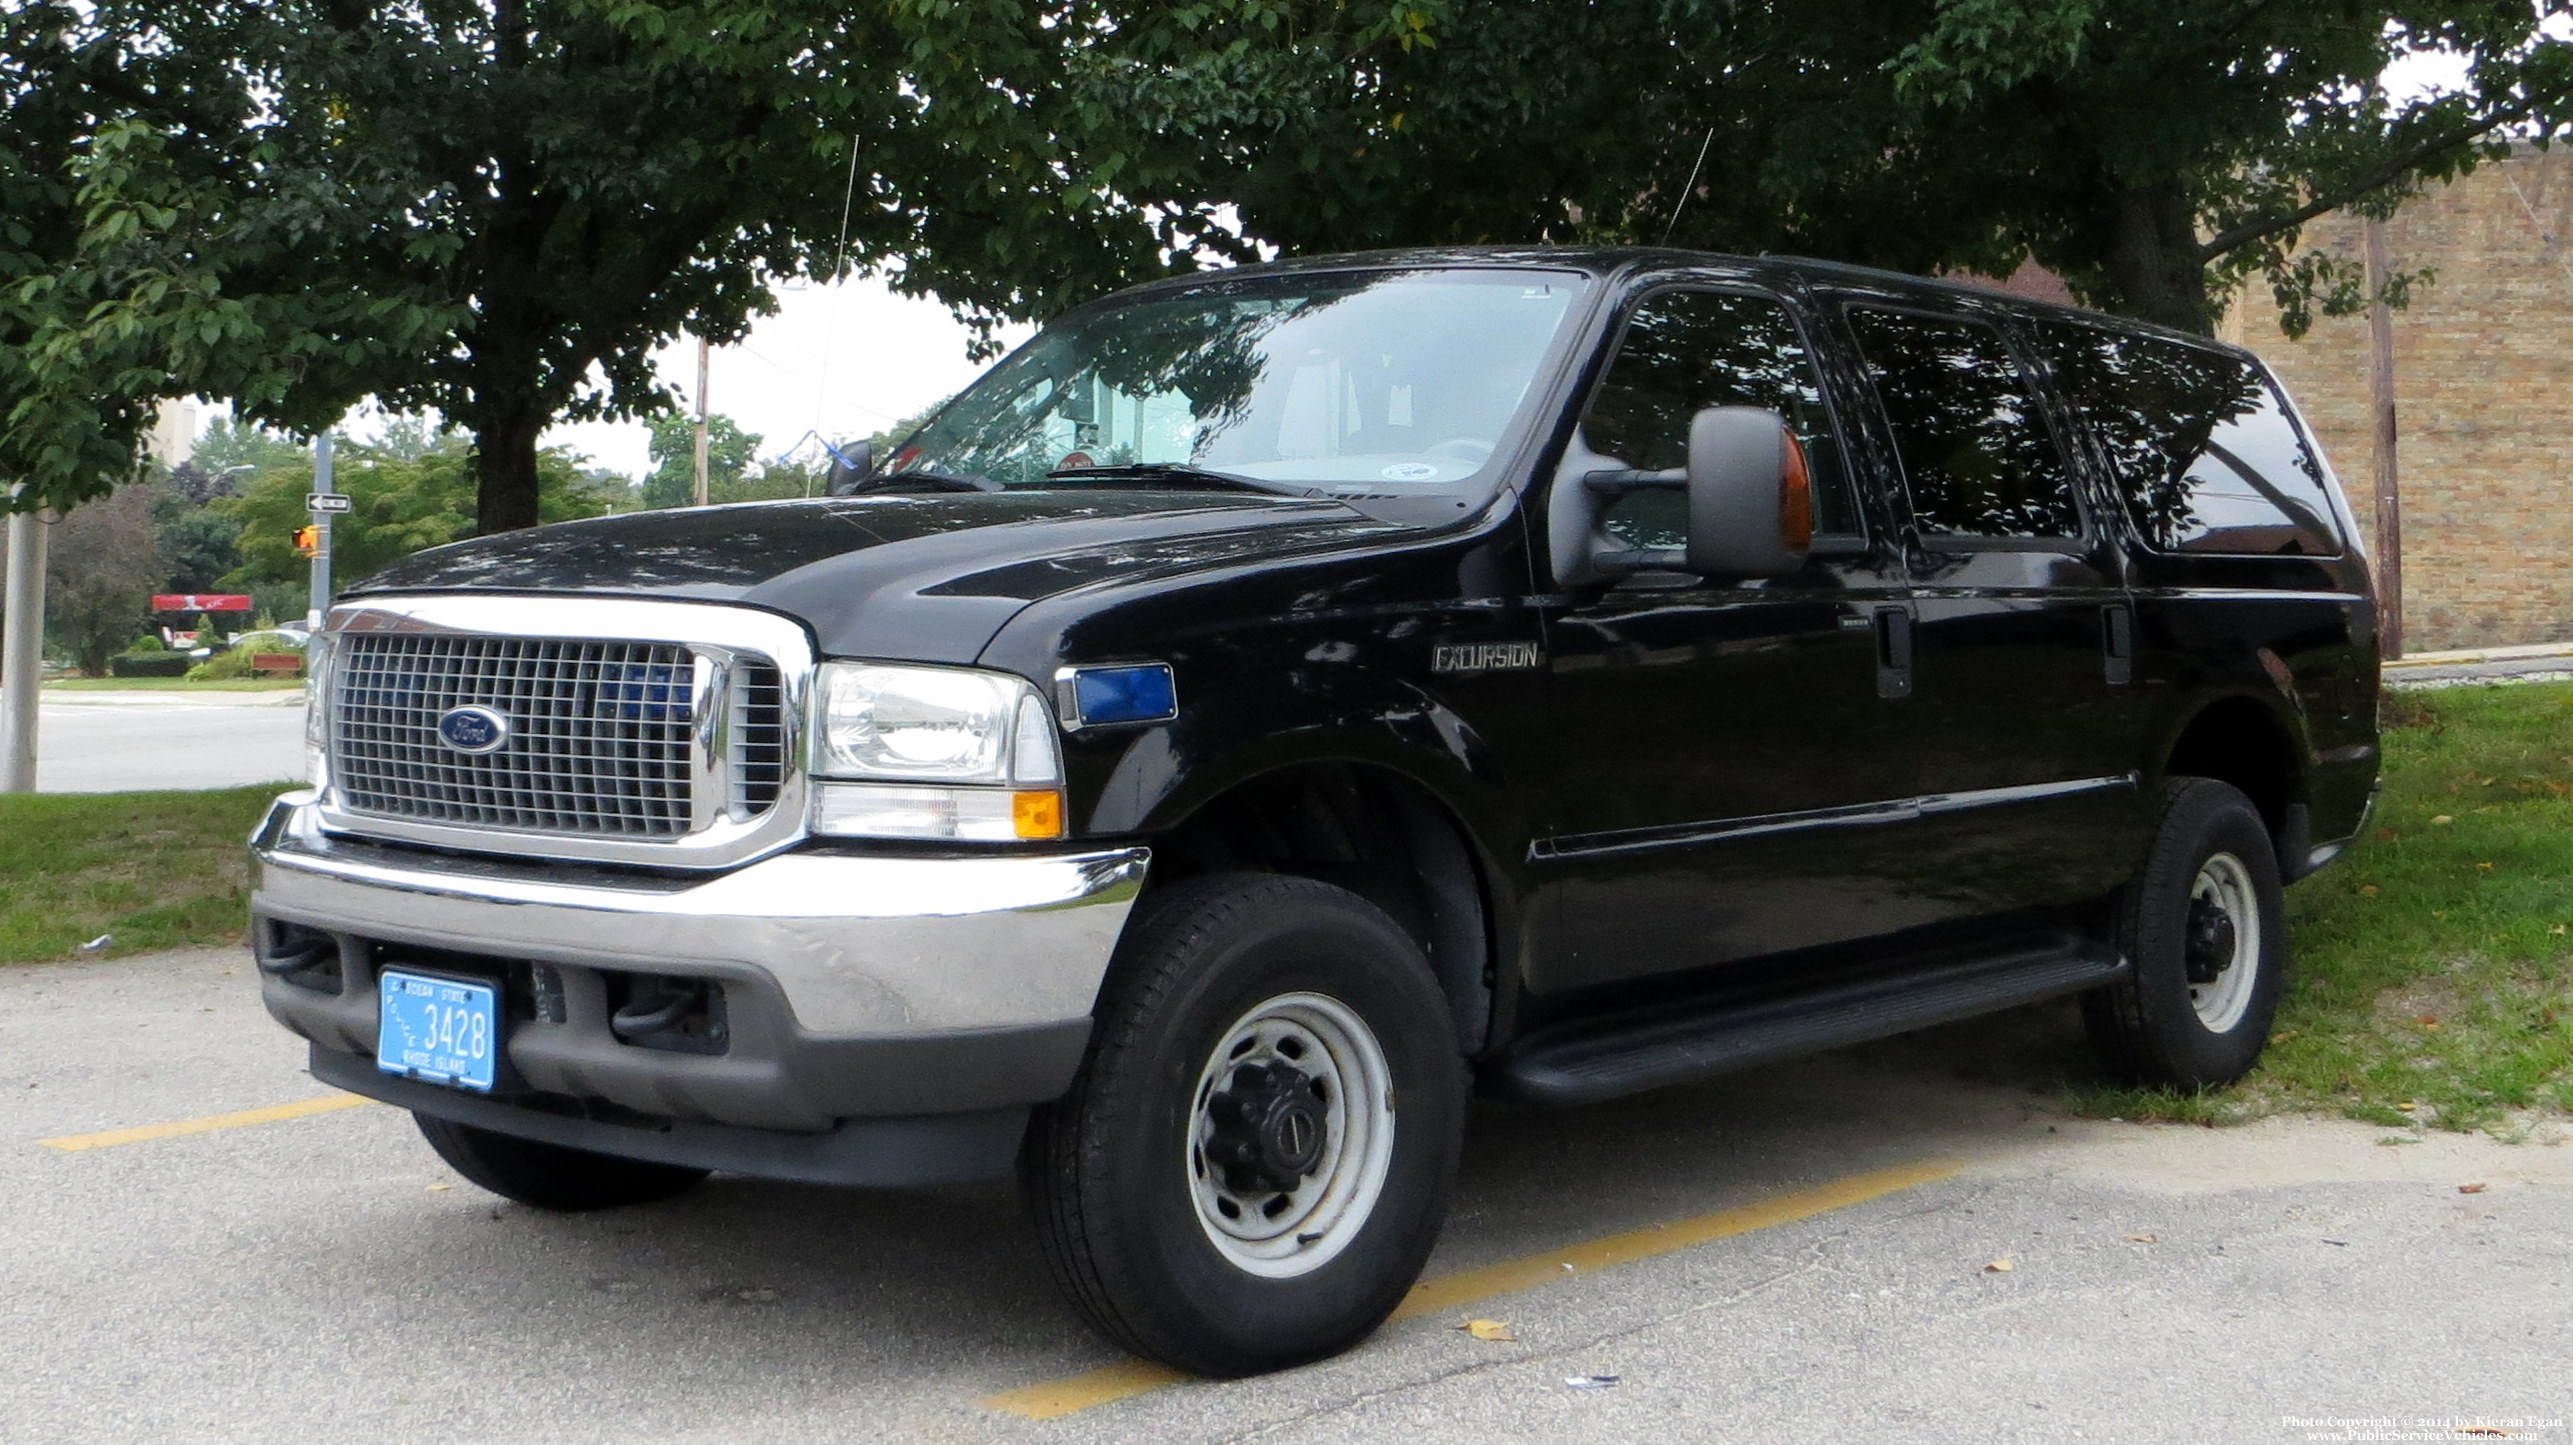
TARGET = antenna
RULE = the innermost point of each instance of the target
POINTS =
(839, 267)
(1691, 188)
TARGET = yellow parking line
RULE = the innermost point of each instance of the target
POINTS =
(270, 1115)
(1128, 1378)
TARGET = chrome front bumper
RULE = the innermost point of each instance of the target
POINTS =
(860, 992)
(857, 945)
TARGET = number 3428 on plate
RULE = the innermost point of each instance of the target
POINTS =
(439, 1030)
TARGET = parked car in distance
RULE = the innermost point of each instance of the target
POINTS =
(272, 639)
(1269, 705)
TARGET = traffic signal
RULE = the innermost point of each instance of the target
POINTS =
(308, 541)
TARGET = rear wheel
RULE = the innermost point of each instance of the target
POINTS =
(2205, 928)
(550, 1176)
(1252, 1167)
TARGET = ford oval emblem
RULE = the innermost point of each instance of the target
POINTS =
(473, 729)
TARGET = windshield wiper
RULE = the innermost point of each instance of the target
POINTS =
(927, 477)
(1183, 472)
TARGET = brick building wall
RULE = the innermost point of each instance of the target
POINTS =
(2483, 365)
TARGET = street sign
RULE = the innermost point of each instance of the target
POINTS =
(325, 501)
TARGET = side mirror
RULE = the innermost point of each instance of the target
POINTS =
(850, 467)
(1751, 497)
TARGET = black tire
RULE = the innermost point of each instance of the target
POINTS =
(2184, 1017)
(1118, 1172)
(550, 1176)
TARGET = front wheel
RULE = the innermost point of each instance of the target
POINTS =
(1252, 1167)
(2205, 929)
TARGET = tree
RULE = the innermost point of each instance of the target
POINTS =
(101, 566)
(497, 209)
(2153, 154)
(197, 540)
(673, 480)
(152, 245)
(236, 451)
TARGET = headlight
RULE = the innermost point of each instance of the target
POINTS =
(317, 710)
(974, 754)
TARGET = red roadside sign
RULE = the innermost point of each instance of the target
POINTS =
(200, 601)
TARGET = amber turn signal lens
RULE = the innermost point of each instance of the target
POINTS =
(1795, 498)
(1037, 815)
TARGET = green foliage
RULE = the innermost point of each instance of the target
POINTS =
(498, 210)
(673, 480)
(147, 664)
(396, 507)
(157, 242)
(238, 451)
(2154, 154)
(102, 563)
(234, 663)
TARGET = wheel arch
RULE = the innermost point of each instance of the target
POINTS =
(1378, 830)
(2242, 739)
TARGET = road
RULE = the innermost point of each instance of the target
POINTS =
(322, 1276)
(112, 742)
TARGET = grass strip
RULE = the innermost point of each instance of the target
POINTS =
(153, 870)
(2432, 974)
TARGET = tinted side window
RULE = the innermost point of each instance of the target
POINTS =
(1684, 351)
(2200, 443)
(1975, 448)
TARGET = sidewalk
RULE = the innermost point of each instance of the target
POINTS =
(81, 697)
(2533, 662)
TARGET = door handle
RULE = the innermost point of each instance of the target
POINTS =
(2117, 643)
(1893, 652)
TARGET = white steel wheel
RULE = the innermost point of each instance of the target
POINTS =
(1289, 1135)
(2222, 943)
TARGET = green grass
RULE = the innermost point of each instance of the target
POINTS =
(157, 870)
(171, 684)
(2432, 984)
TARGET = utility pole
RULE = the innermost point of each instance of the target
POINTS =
(703, 360)
(22, 651)
(2389, 494)
(319, 601)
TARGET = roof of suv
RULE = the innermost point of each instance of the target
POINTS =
(1613, 261)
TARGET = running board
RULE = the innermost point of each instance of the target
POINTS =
(1584, 1062)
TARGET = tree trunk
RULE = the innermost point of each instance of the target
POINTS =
(2153, 258)
(505, 468)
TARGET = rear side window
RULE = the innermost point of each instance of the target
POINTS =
(2200, 444)
(1684, 351)
(1976, 452)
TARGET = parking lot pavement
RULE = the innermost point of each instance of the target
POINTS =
(113, 742)
(321, 1275)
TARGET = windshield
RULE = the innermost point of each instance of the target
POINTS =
(1349, 383)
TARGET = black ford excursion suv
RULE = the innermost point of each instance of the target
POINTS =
(1270, 705)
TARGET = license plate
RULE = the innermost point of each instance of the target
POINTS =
(437, 1029)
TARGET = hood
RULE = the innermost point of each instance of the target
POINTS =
(923, 577)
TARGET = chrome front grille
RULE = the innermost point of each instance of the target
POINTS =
(599, 738)
(758, 737)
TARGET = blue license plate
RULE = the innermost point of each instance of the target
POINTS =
(437, 1029)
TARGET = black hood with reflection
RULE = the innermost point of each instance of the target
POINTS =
(922, 577)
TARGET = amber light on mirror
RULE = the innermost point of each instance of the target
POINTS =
(1795, 498)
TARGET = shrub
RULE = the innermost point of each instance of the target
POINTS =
(235, 662)
(164, 664)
